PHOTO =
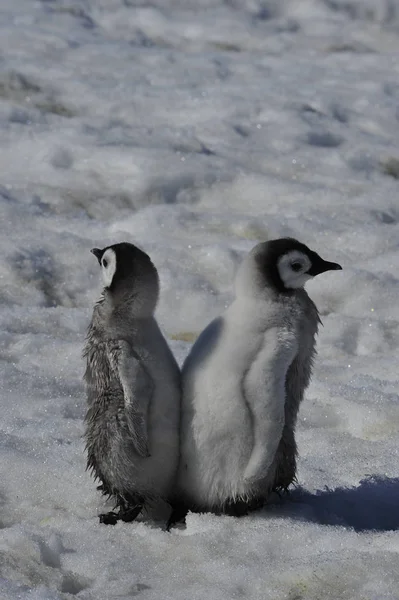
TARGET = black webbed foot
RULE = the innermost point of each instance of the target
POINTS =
(236, 509)
(126, 513)
(178, 514)
(130, 513)
(241, 508)
(110, 518)
(282, 491)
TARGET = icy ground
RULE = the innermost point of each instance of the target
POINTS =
(196, 128)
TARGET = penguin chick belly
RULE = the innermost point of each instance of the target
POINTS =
(222, 434)
(264, 391)
(217, 435)
(232, 419)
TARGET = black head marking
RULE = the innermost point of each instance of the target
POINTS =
(268, 259)
(131, 262)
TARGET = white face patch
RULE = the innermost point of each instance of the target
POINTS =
(108, 266)
(293, 267)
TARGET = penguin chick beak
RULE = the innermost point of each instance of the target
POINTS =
(333, 266)
(321, 266)
(97, 253)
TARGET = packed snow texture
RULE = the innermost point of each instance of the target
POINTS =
(195, 129)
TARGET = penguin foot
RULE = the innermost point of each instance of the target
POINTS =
(240, 508)
(110, 518)
(130, 513)
(235, 509)
(178, 514)
(127, 514)
(284, 489)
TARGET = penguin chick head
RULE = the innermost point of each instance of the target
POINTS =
(283, 265)
(129, 275)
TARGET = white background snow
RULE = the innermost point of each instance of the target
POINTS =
(196, 128)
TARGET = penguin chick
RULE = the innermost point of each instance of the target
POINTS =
(133, 387)
(243, 381)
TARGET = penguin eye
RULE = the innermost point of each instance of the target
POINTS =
(296, 266)
(105, 263)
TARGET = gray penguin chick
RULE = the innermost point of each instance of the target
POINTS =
(133, 387)
(243, 381)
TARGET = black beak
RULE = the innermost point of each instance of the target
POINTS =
(97, 253)
(330, 266)
(320, 266)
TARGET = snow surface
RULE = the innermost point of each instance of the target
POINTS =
(196, 128)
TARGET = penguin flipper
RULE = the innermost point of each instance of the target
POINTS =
(137, 390)
(264, 390)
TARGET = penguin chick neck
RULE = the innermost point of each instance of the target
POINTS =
(250, 281)
(134, 299)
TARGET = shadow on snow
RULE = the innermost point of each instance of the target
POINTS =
(371, 506)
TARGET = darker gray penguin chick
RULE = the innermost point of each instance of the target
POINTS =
(133, 387)
(243, 382)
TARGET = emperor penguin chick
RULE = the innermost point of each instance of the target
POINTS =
(133, 387)
(243, 381)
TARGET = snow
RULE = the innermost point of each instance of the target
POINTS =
(196, 128)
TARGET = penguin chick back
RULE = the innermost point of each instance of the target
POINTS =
(133, 385)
